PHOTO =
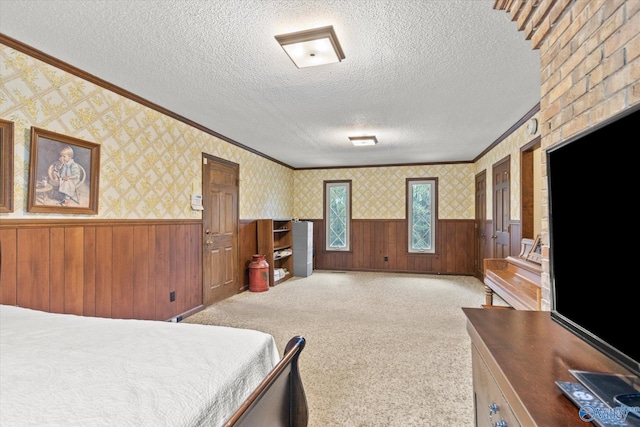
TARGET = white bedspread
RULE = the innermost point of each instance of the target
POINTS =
(66, 370)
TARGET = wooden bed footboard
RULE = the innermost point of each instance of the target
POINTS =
(279, 400)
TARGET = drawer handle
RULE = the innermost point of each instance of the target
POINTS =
(493, 409)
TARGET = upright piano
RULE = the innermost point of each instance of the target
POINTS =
(516, 279)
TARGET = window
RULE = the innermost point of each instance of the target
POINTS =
(421, 215)
(337, 214)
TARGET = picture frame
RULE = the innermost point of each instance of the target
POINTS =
(6, 166)
(63, 174)
(535, 254)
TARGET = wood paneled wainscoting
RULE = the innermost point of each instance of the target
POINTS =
(119, 269)
(373, 240)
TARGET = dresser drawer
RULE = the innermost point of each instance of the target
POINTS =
(491, 408)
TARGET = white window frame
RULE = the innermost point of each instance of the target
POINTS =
(328, 185)
(433, 183)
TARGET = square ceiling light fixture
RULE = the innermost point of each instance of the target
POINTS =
(360, 141)
(308, 48)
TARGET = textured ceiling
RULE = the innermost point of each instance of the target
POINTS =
(434, 80)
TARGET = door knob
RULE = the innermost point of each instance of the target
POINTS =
(207, 231)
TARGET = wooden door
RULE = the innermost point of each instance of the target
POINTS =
(530, 206)
(220, 227)
(501, 208)
(480, 223)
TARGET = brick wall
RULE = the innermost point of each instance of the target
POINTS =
(590, 69)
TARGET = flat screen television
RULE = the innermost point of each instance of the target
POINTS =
(595, 288)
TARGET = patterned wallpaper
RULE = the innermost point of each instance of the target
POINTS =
(510, 146)
(379, 193)
(149, 162)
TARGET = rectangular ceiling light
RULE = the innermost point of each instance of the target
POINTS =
(308, 48)
(360, 141)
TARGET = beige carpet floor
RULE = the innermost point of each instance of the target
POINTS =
(382, 349)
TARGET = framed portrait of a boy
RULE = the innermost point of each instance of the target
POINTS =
(63, 174)
(6, 166)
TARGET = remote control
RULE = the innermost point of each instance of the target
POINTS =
(589, 406)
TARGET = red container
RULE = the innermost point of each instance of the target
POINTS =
(258, 274)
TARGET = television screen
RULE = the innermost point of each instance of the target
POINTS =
(592, 222)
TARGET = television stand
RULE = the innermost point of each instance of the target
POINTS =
(517, 357)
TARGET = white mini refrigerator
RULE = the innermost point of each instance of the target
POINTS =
(302, 248)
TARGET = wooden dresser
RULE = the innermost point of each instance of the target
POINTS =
(517, 356)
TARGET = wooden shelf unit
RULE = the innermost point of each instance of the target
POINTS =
(274, 237)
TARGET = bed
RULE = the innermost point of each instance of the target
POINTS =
(62, 369)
